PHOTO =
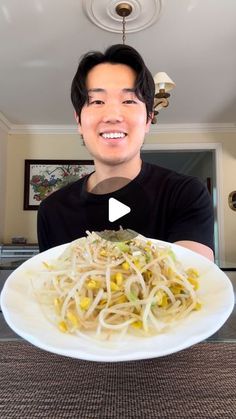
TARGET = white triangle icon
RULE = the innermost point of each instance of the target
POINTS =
(116, 209)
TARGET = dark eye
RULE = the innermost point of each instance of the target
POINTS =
(96, 102)
(129, 101)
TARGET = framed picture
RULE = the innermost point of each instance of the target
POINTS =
(43, 177)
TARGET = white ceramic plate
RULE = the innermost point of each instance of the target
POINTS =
(24, 316)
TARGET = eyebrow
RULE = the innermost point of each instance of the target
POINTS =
(99, 89)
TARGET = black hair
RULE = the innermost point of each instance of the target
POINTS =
(115, 54)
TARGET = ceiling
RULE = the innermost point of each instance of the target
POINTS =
(194, 41)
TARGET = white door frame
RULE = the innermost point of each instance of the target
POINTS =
(197, 146)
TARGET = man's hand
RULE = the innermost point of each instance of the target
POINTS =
(198, 248)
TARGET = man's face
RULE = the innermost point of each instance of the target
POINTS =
(114, 121)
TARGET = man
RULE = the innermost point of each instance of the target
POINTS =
(113, 95)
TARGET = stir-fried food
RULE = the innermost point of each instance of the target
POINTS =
(134, 286)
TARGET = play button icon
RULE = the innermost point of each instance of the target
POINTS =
(116, 209)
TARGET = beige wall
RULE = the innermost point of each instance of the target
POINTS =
(3, 166)
(21, 147)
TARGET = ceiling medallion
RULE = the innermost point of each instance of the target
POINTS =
(103, 14)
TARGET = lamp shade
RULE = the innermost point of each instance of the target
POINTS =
(163, 81)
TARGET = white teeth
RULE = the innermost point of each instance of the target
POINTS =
(113, 135)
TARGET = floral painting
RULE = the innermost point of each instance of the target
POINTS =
(43, 177)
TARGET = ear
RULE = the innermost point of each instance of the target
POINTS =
(78, 123)
(148, 124)
(76, 117)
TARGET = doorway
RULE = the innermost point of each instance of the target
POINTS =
(191, 162)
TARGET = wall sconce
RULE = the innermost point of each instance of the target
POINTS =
(163, 84)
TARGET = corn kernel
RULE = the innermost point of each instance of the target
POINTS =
(193, 272)
(137, 263)
(159, 296)
(92, 284)
(72, 317)
(162, 299)
(198, 306)
(137, 325)
(119, 278)
(164, 302)
(103, 252)
(85, 303)
(176, 289)
(194, 282)
(57, 304)
(114, 286)
(125, 266)
(63, 326)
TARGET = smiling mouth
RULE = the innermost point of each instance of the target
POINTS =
(112, 135)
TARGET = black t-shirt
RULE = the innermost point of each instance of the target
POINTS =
(173, 207)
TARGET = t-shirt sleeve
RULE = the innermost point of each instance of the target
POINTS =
(42, 229)
(192, 216)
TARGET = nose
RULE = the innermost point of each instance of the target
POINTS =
(113, 114)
